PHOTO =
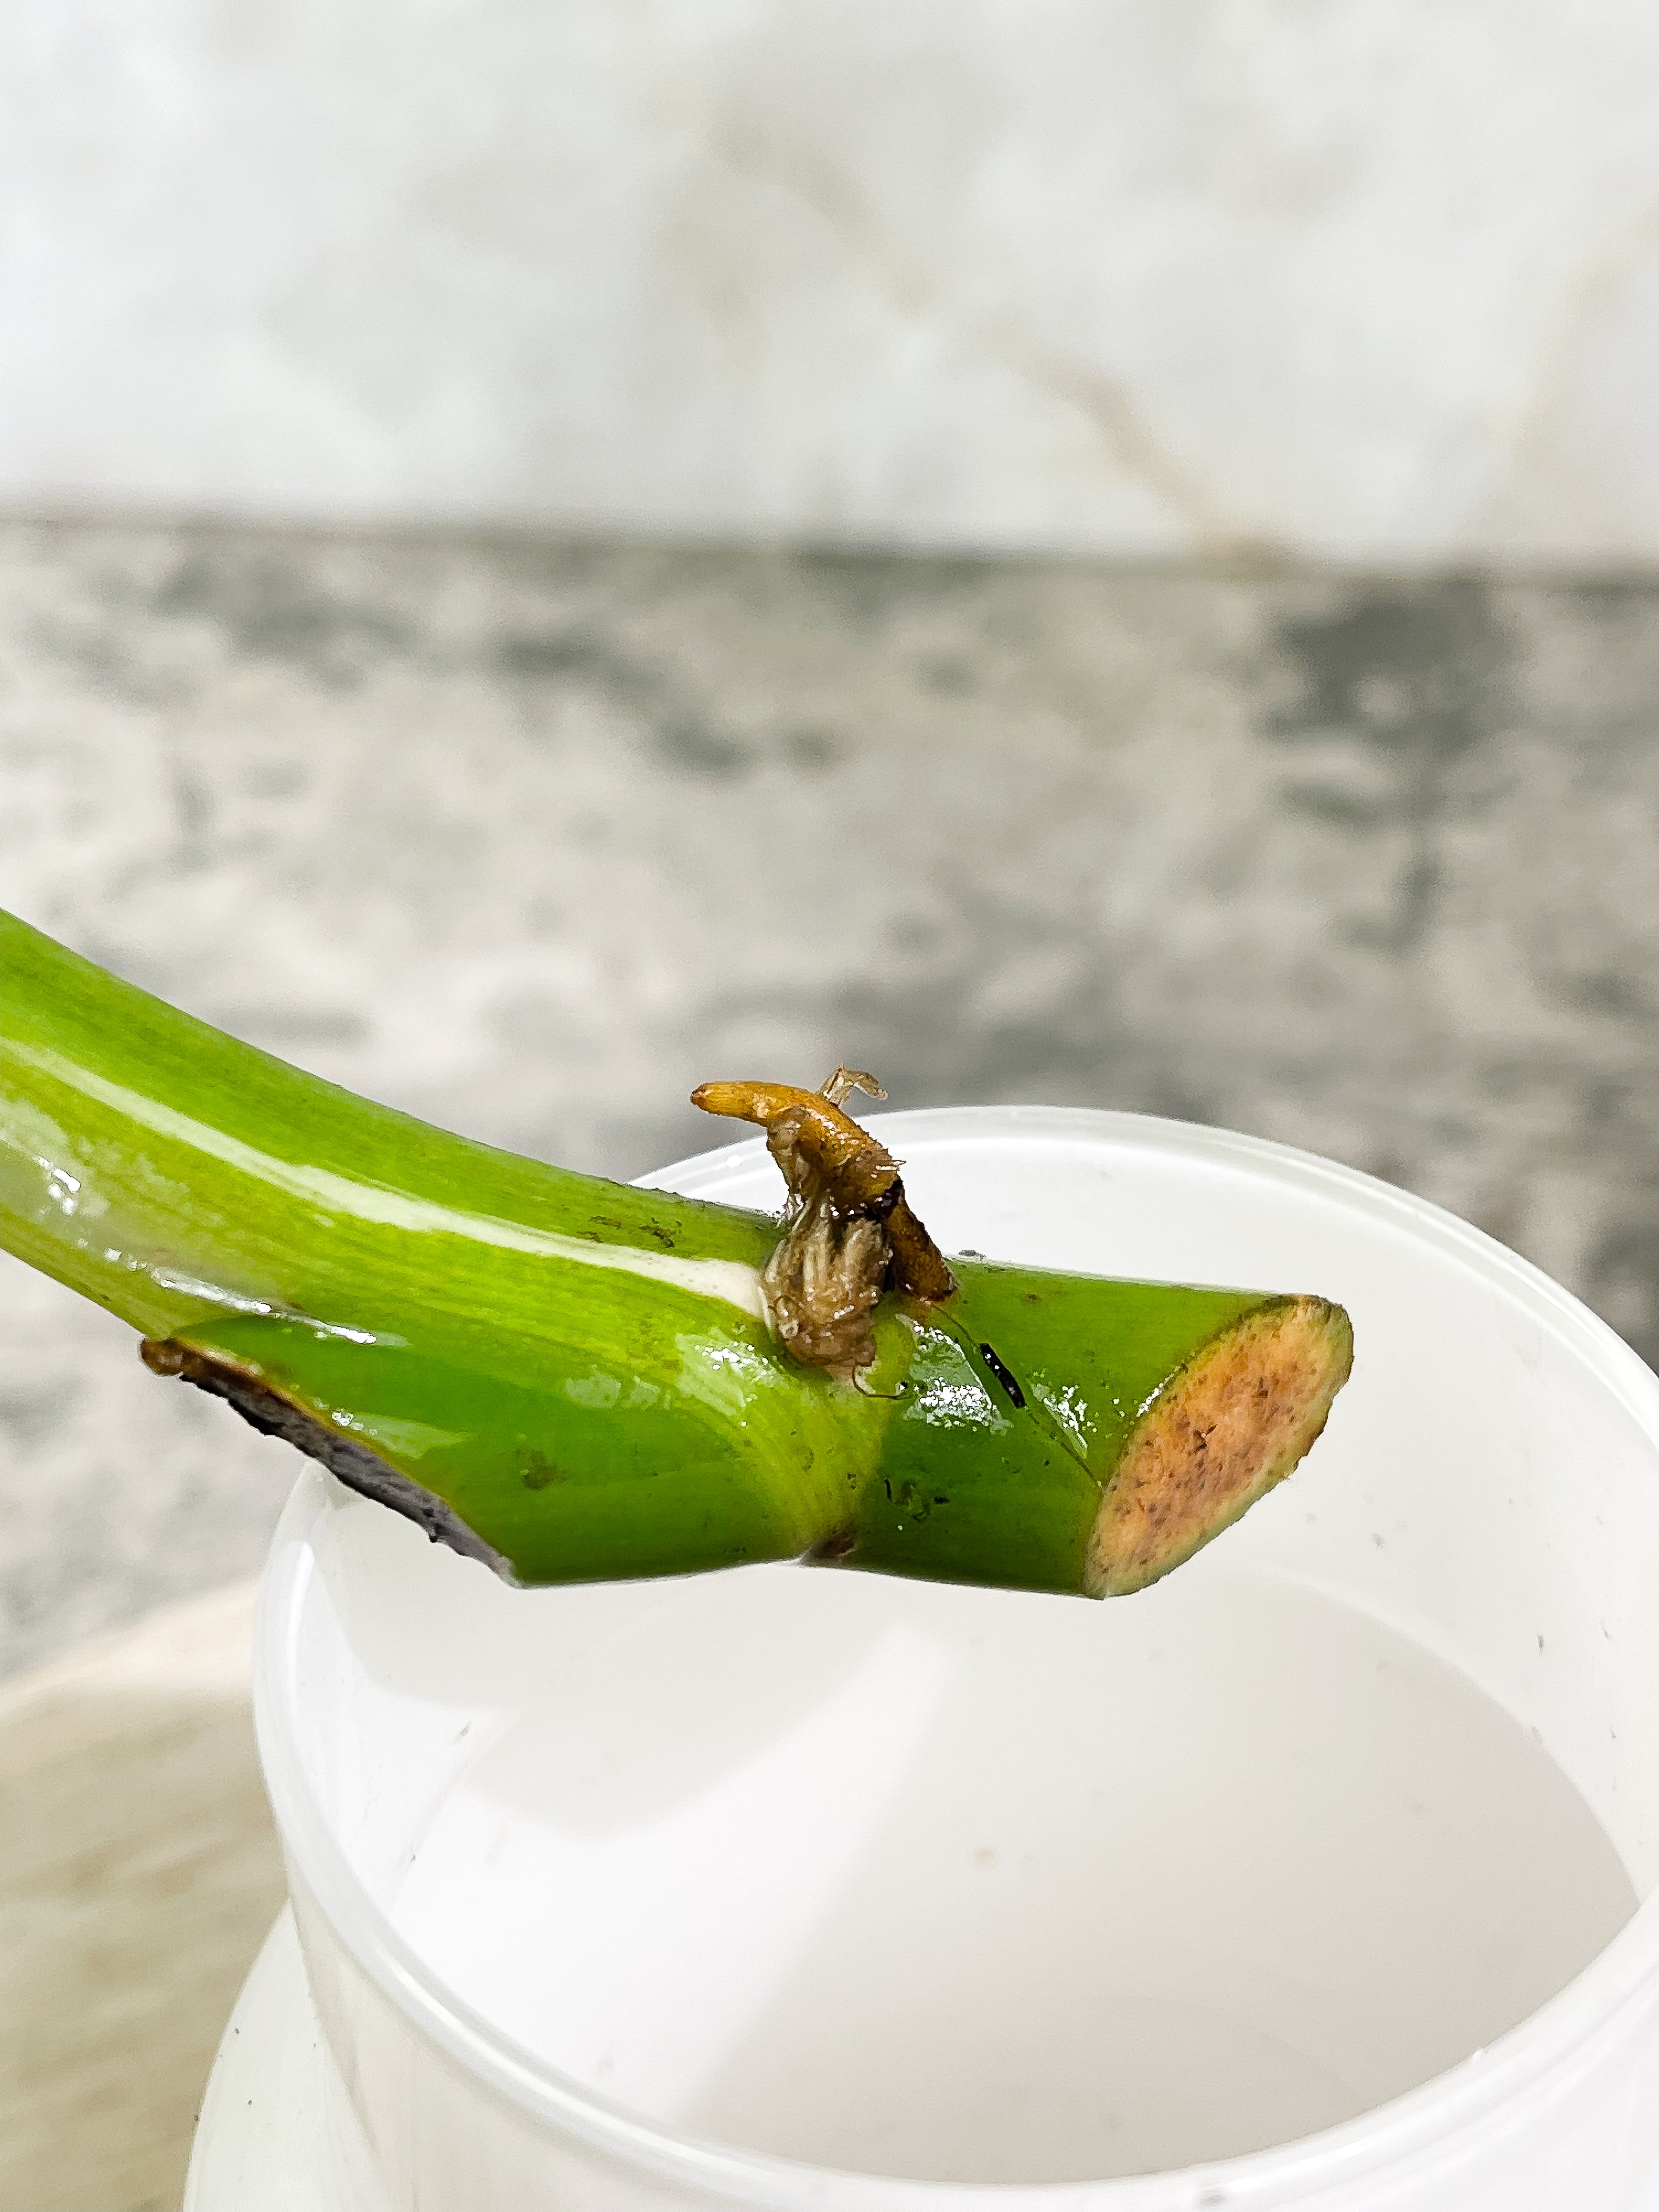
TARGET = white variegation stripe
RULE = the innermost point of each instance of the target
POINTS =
(732, 1281)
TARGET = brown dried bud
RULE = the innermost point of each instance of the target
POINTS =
(848, 1233)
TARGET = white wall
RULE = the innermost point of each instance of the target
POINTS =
(1374, 278)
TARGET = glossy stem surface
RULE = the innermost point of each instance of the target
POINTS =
(572, 1377)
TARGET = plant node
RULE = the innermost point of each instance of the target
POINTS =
(848, 1233)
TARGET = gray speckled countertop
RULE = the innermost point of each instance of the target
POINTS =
(530, 838)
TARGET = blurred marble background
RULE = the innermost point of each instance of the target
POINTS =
(529, 837)
(1160, 275)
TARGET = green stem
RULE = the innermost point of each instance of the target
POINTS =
(575, 1378)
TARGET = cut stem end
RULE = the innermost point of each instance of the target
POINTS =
(1232, 1423)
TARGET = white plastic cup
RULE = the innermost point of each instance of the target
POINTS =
(1308, 1879)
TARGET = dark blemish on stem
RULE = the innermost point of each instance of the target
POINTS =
(840, 1543)
(1016, 1395)
(352, 1463)
(538, 1471)
(664, 1237)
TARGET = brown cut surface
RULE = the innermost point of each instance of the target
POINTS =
(1231, 1424)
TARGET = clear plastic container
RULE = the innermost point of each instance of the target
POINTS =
(1320, 1875)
